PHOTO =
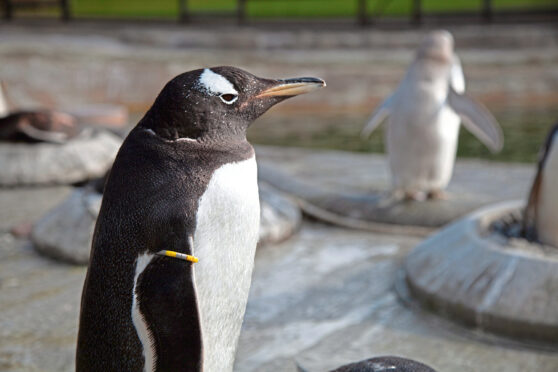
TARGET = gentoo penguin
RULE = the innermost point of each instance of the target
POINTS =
(424, 116)
(541, 214)
(183, 185)
(385, 364)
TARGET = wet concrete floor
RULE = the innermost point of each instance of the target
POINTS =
(327, 296)
(323, 298)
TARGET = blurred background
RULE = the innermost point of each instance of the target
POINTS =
(305, 308)
(362, 48)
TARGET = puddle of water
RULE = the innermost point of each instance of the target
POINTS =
(524, 131)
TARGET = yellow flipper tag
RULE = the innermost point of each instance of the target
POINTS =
(180, 256)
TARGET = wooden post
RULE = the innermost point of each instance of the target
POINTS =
(487, 10)
(8, 9)
(241, 12)
(65, 10)
(361, 12)
(183, 15)
(416, 17)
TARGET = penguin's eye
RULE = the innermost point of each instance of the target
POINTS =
(228, 98)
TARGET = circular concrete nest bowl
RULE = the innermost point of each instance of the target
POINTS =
(87, 156)
(476, 273)
(65, 232)
(374, 211)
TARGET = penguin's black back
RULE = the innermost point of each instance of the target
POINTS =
(385, 364)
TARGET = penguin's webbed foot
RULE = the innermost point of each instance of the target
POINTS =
(437, 195)
(413, 196)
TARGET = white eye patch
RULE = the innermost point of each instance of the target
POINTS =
(218, 85)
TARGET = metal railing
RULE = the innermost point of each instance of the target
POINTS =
(363, 14)
(11, 5)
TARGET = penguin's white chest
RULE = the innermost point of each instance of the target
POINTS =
(547, 219)
(225, 242)
(422, 143)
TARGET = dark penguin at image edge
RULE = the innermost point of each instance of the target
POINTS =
(183, 185)
(541, 213)
(385, 364)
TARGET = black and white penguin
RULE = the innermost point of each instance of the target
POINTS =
(541, 214)
(385, 364)
(183, 185)
(38, 126)
(34, 125)
(424, 116)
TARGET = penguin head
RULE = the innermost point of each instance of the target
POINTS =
(219, 102)
(437, 46)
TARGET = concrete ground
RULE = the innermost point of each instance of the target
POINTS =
(327, 296)
(323, 298)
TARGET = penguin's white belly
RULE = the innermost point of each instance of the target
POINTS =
(422, 150)
(225, 242)
(547, 218)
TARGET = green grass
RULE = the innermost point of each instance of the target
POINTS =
(285, 8)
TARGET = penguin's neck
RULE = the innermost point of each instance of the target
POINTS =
(170, 128)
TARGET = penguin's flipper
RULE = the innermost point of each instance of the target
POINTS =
(377, 117)
(4, 107)
(457, 79)
(42, 135)
(477, 119)
(182, 256)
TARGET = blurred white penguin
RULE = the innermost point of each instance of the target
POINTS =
(424, 117)
(541, 215)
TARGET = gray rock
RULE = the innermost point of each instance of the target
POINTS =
(87, 156)
(66, 231)
(473, 273)
(280, 217)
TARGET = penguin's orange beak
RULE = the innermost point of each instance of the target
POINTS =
(293, 87)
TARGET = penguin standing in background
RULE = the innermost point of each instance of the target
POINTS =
(173, 248)
(424, 118)
(540, 220)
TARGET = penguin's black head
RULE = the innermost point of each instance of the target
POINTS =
(218, 102)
